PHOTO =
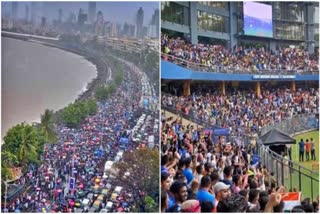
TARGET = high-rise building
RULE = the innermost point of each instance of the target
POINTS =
(60, 15)
(155, 20)
(14, 12)
(139, 22)
(43, 21)
(92, 12)
(27, 13)
(33, 13)
(71, 18)
(82, 17)
(114, 32)
(125, 29)
(132, 29)
(99, 25)
(152, 31)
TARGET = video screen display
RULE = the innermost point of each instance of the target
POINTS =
(257, 19)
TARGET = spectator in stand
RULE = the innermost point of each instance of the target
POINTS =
(187, 171)
(234, 204)
(239, 59)
(206, 207)
(221, 191)
(301, 150)
(224, 160)
(164, 200)
(203, 192)
(191, 206)
(179, 192)
(165, 181)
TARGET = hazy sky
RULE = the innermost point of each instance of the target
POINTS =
(119, 12)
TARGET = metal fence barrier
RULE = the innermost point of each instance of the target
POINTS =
(288, 173)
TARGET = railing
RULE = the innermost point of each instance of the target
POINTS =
(297, 123)
(287, 173)
(231, 70)
(14, 194)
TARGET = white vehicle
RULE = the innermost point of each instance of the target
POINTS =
(155, 127)
(151, 141)
(109, 205)
(117, 189)
(85, 202)
(120, 153)
(108, 165)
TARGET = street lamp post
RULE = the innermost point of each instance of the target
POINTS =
(6, 194)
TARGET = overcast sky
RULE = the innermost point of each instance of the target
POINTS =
(119, 12)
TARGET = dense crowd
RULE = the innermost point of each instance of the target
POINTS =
(202, 174)
(240, 59)
(244, 111)
(81, 153)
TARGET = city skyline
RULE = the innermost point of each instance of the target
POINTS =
(110, 10)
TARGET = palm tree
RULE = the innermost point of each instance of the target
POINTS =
(8, 159)
(29, 145)
(47, 126)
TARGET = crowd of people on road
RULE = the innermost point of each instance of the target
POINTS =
(81, 153)
(239, 58)
(203, 174)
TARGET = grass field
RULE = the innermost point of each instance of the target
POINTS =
(312, 165)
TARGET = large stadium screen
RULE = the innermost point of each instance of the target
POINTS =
(257, 19)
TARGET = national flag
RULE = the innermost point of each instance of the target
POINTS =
(291, 199)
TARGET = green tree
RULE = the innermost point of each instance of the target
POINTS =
(150, 205)
(71, 116)
(9, 159)
(118, 77)
(24, 141)
(29, 145)
(112, 88)
(76, 112)
(92, 107)
(82, 109)
(143, 168)
(47, 126)
(102, 93)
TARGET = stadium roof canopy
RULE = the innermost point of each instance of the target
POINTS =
(172, 71)
(276, 137)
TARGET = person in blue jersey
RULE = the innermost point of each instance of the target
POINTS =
(203, 192)
(179, 192)
(187, 171)
(301, 150)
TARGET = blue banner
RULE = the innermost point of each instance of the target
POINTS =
(71, 183)
(172, 71)
(146, 102)
(124, 140)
